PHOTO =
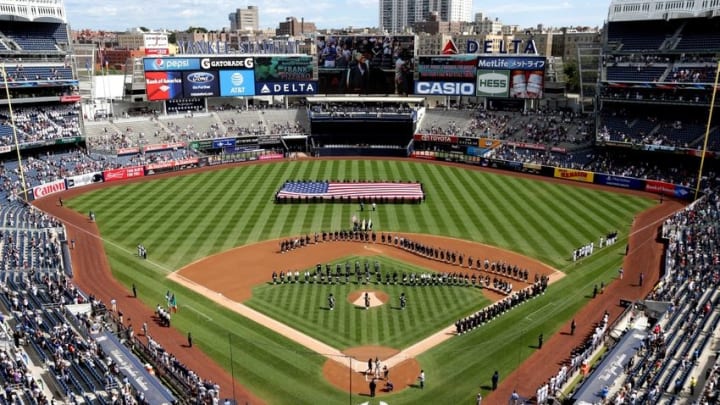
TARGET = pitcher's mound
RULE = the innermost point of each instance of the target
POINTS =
(377, 298)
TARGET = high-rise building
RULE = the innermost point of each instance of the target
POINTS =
(400, 15)
(245, 19)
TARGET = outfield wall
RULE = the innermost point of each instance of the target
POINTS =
(584, 176)
(650, 186)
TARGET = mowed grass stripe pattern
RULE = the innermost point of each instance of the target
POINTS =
(185, 218)
(304, 307)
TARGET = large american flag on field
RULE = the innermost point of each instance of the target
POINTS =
(327, 190)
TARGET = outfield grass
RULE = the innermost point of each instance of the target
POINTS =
(303, 306)
(185, 218)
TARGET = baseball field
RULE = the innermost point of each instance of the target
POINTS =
(182, 220)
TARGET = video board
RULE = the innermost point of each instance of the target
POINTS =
(232, 76)
(365, 64)
(285, 75)
(510, 76)
(498, 76)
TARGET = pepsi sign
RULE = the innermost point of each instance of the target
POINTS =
(166, 64)
(201, 84)
(445, 88)
(286, 88)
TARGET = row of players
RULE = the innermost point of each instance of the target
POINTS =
(407, 279)
(421, 249)
(488, 313)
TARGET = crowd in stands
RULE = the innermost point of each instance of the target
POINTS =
(37, 328)
(40, 123)
(366, 108)
(539, 126)
(670, 360)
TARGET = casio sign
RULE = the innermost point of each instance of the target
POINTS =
(201, 77)
(445, 88)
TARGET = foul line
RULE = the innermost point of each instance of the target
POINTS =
(198, 312)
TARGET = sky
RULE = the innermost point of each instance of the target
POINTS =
(119, 15)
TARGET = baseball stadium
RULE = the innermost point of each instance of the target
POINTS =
(362, 222)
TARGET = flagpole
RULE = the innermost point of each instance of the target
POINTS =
(707, 129)
(15, 138)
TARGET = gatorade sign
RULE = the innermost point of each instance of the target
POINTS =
(493, 83)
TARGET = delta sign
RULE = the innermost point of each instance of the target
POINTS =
(516, 46)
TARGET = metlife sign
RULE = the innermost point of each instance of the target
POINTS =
(285, 88)
(493, 83)
(170, 64)
(445, 88)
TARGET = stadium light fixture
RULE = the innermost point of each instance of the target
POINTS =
(4, 76)
(707, 129)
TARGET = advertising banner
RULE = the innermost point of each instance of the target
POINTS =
(285, 69)
(128, 151)
(165, 64)
(511, 62)
(684, 192)
(124, 173)
(454, 68)
(525, 76)
(467, 141)
(236, 83)
(493, 83)
(155, 44)
(659, 187)
(271, 156)
(620, 181)
(575, 175)
(49, 188)
(201, 84)
(223, 143)
(229, 63)
(185, 104)
(84, 179)
(5, 148)
(445, 88)
(436, 138)
(523, 145)
(286, 88)
(153, 147)
(489, 143)
(475, 151)
(163, 85)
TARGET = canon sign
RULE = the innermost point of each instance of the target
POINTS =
(49, 188)
(445, 88)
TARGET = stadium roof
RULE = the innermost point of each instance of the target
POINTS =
(364, 99)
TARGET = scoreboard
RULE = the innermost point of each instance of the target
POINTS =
(171, 78)
(500, 76)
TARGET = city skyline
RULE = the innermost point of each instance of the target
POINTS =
(115, 15)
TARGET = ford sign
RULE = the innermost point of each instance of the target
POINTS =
(201, 77)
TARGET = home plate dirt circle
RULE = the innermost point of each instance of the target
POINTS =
(377, 298)
(403, 375)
